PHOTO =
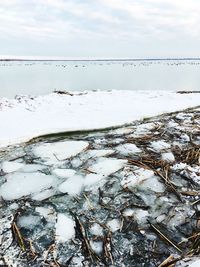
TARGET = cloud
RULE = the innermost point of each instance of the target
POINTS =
(125, 22)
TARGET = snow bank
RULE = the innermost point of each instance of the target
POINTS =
(24, 118)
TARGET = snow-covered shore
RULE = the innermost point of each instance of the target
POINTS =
(24, 118)
(127, 188)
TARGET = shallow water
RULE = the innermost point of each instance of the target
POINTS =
(42, 77)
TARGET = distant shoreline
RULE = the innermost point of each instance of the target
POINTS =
(100, 60)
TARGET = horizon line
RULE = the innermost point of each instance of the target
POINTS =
(41, 58)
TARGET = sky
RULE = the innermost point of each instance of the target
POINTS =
(100, 28)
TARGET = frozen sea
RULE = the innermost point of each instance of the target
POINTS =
(43, 77)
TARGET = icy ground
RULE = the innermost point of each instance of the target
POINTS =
(24, 118)
(123, 197)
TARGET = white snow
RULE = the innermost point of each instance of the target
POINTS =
(29, 221)
(10, 166)
(128, 149)
(137, 178)
(114, 225)
(153, 184)
(55, 152)
(160, 145)
(144, 128)
(107, 166)
(47, 213)
(97, 246)
(72, 186)
(168, 156)
(128, 212)
(23, 184)
(54, 113)
(179, 166)
(96, 230)
(141, 216)
(64, 228)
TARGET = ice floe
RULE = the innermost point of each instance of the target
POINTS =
(136, 178)
(23, 184)
(107, 166)
(63, 173)
(72, 186)
(10, 166)
(64, 228)
(55, 152)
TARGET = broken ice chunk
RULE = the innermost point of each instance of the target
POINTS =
(114, 225)
(107, 166)
(65, 228)
(138, 176)
(72, 186)
(55, 152)
(153, 184)
(64, 173)
(24, 184)
(92, 178)
(47, 193)
(29, 221)
(141, 216)
(11, 166)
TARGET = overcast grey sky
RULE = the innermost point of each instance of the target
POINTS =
(100, 28)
